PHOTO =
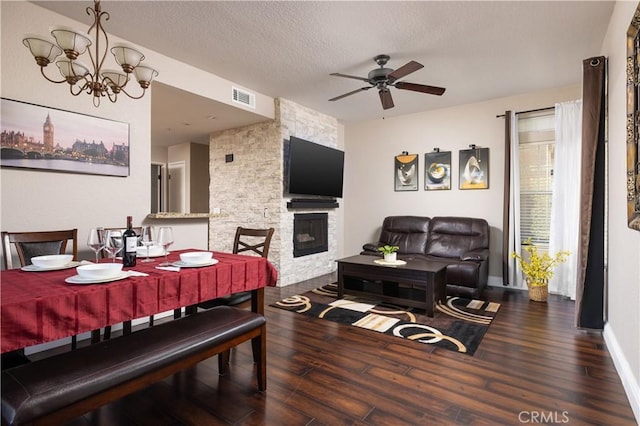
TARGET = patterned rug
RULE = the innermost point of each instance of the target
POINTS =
(458, 325)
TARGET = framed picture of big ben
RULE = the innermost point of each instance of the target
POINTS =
(43, 138)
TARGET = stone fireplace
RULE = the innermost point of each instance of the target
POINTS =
(249, 191)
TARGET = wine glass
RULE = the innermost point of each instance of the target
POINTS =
(146, 239)
(94, 241)
(165, 239)
(113, 243)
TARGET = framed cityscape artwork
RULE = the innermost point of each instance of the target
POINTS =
(474, 168)
(437, 170)
(406, 172)
(43, 138)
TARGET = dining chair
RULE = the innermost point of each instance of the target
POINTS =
(39, 243)
(126, 325)
(254, 241)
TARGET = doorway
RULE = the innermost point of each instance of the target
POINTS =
(177, 187)
(157, 187)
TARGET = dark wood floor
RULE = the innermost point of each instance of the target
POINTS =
(532, 367)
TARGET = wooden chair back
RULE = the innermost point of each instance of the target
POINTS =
(30, 244)
(254, 240)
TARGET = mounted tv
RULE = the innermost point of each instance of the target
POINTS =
(314, 169)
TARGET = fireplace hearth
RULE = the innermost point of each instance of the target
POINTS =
(310, 234)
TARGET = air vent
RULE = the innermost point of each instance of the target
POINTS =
(243, 97)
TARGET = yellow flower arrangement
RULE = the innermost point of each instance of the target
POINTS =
(538, 269)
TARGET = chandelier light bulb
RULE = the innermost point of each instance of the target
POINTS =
(43, 49)
(71, 42)
(114, 79)
(72, 71)
(145, 75)
(127, 57)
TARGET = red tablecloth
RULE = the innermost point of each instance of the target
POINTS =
(38, 307)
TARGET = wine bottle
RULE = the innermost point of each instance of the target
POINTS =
(130, 243)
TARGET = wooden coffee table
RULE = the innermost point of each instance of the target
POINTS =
(418, 283)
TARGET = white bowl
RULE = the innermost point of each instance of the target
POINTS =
(196, 257)
(52, 261)
(99, 271)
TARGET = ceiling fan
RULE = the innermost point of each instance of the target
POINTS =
(382, 78)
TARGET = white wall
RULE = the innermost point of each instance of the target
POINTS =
(623, 293)
(369, 167)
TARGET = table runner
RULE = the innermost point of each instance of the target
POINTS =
(38, 307)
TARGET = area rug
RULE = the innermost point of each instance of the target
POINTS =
(458, 325)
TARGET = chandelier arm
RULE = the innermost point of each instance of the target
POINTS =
(80, 89)
(100, 29)
(112, 87)
(133, 97)
(93, 11)
(113, 97)
(126, 82)
(48, 79)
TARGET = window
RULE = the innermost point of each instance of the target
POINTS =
(536, 133)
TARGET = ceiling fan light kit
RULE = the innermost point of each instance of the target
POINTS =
(91, 80)
(382, 78)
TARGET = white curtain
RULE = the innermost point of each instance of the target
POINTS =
(515, 276)
(565, 201)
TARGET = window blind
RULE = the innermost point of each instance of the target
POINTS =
(536, 149)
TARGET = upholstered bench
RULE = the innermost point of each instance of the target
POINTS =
(62, 387)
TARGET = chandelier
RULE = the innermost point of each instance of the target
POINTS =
(96, 81)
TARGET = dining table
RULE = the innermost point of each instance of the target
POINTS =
(41, 306)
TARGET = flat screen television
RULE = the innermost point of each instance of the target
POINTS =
(313, 169)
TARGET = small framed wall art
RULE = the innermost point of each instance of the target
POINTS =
(406, 172)
(474, 168)
(437, 170)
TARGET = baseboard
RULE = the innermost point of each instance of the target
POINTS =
(629, 382)
(500, 285)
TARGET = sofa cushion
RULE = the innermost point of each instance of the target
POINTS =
(445, 232)
(410, 233)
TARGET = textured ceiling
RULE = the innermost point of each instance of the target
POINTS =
(477, 50)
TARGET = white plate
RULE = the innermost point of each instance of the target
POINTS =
(181, 264)
(34, 268)
(76, 279)
(385, 263)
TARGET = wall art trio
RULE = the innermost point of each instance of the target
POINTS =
(473, 166)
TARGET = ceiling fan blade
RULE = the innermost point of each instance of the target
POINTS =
(386, 99)
(350, 93)
(337, 74)
(432, 90)
(404, 70)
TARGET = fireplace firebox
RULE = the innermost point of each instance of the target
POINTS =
(310, 233)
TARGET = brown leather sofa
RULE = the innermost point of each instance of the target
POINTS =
(462, 242)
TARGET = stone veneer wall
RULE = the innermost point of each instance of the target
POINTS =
(249, 190)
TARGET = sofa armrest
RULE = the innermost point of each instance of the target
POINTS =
(372, 248)
(478, 255)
